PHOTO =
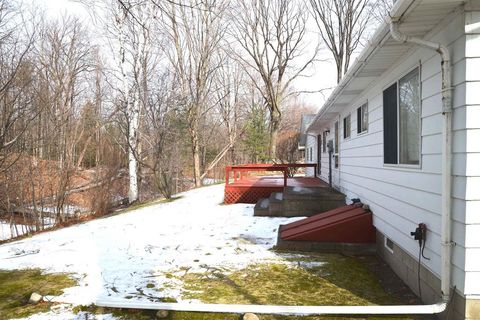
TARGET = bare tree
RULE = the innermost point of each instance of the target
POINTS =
(16, 108)
(342, 24)
(231, 105)
(161, 135)
(272, 34)
(133, 22)
(64, 62)
(195, 31)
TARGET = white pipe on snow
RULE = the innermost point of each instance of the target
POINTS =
(446, 148)
(277, 310)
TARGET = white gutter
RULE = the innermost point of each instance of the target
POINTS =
(446, 148)
(274, 310)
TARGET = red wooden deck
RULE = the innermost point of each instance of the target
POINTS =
(252, 188)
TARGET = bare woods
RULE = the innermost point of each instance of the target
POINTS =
(150, 98)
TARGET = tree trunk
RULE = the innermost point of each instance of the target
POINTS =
(275, 118)
(133, 144)
(196, 159)
(339, 70)
(233, 159)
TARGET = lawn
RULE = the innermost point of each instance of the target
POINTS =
(189, 250)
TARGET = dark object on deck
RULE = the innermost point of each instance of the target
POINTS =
(348, 229)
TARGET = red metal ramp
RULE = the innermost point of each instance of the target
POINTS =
(348, 224)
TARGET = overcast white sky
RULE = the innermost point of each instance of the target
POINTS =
(323, 73)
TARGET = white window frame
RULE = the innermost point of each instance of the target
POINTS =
(398, 164)
(386, 244)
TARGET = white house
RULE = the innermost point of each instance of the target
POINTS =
(404, 126)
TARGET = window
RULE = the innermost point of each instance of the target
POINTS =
(335, 150)
(362, 118)
(319, 154)
(389, 244)
(324, 141)
(401, 121)
(309, 156)
(336, 138)
(346, 127)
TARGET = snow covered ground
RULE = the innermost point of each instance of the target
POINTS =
(118, 256)
(7, 231)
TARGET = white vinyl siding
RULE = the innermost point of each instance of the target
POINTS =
(469, 116)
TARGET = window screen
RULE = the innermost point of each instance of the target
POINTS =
(401, 120)
(409, 114)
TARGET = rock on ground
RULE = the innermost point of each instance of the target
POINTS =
(250, 316)
(162, 314)
(35, 298)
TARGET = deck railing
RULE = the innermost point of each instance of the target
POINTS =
(240, 171)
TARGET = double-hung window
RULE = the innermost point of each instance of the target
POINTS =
(401, 120)
(362, 118)
(346, 127)
(324, 140)
(335, 150)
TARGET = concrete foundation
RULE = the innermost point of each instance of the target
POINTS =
(406, 267)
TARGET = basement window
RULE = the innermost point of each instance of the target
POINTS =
(389, 244)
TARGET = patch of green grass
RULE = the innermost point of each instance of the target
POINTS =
(203, 316)
(319, 279)
(17, 286)
(286, 285)
(123, 314)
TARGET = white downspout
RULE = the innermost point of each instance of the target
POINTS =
(446, 148)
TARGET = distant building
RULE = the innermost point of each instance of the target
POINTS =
(305, 122)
